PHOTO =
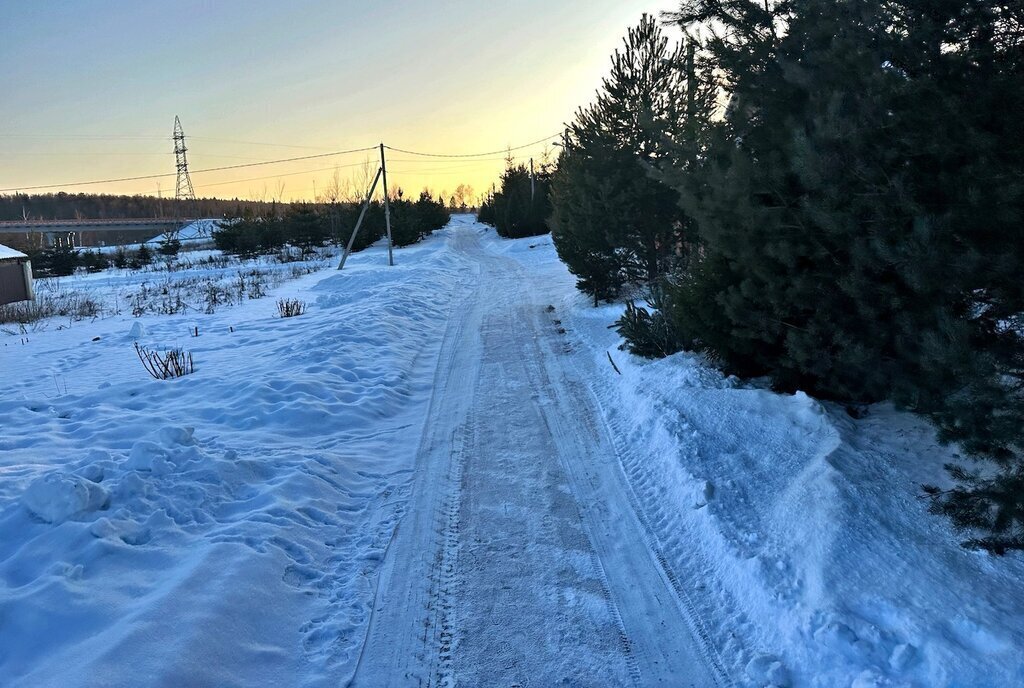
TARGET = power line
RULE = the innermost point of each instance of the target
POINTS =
(255, 143)
(473, 155)
(98, 181)
(431, 172)
(98, 137)
(128, 137)
(429, 161)
(174, 174)
(278, 176)
(274, 162)
(33, 154)
(270, 176)
(458, 168)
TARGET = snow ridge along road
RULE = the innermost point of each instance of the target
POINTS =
(520, 559)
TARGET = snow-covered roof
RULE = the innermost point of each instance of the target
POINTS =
(199, 230)
(7, 253)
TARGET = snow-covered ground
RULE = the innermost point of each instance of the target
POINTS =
(433, 476)
(223, 528)
(198, 282)
(801, 532)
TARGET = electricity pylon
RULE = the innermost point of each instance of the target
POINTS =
(183, 190)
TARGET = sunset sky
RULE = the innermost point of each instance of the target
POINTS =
(91, 88)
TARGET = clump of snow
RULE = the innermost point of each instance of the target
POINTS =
(56, 497)
(767, 670)
(169, 448)
(902, 656)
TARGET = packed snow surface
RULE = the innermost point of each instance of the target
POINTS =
(435, 475)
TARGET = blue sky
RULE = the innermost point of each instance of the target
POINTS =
(91, 87)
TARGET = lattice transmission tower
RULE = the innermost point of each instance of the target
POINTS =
(183, 190)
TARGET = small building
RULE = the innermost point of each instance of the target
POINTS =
(15, 276)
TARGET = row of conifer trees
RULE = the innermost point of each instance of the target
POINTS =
(829, 193)
(523, 205)
(308, 225)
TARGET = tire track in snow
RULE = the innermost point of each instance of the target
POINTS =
(572, 399)
(521, 556)
(665, 537)
(628, 458)
(447, 572)
(399, 648)
(533, 601)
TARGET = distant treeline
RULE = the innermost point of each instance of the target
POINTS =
(308, 225)
(85, 206)
(65, 206)
(270, 229)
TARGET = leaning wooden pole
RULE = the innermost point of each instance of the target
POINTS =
(387, 203)
(359, 222)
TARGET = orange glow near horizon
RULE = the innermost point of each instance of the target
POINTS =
(98, 102)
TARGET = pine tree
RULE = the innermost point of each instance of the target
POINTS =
(614, 220)
(169, 246)
(60, 261)
(433, 215)
(522, 206)
(860, 215)
(143, 257)
(579, 220)
(93, 261)
(305, 227)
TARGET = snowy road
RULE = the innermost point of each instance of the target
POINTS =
(520, 560)
(435, 478)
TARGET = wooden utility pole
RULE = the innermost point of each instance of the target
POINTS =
(359, 222)
(387, 203)
(533, 186)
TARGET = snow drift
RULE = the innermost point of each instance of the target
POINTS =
(223, 528)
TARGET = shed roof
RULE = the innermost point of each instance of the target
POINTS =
(198, 230)
(7, 253)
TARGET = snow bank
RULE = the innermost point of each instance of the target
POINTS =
(801, 532)
(222, 528)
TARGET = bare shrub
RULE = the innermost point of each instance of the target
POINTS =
(167, 365)
(251, 284)
(257, 285)
(47, 304)
(215, 295)
(289, 308)
(158, 289)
